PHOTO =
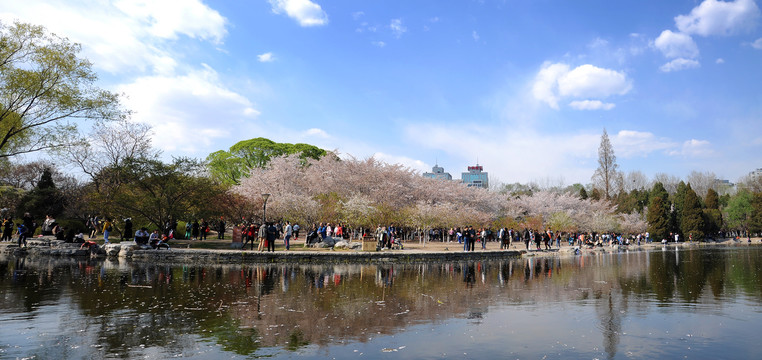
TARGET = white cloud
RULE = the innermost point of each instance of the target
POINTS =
(679, 64)
(631, 143)
(694, 148)
(305, 12)
(123, 36)
(315, 132)
(676, 45)
(358, 14)
(397, 28)
(187, 112)
(266, 57)
(720, 61)
(475, 35)
(555, 81)
(402, 160)
(591, 81)
(379, 43)
(591, 105)
(757, 44)
(167, 19)
(714, 17)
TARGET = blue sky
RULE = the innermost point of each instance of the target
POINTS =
(526, 87)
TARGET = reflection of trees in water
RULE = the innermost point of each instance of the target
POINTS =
(245, 308)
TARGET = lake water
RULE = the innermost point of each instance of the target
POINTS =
(664, 304)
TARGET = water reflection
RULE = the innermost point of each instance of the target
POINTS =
(585, 306)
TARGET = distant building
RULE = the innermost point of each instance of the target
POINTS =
(437, 172)
(756, 173)
(475, 177)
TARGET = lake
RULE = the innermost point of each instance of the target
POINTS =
(701, 303)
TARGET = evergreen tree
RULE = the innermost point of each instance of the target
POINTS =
(712, 199)
(692, 219)
(658, 212)
(582, 194)
(44, 199)
(595, 194)
(677, 212)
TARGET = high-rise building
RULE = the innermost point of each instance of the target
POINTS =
(476, 177)
(437, 172)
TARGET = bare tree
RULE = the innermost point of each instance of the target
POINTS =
(606, 176)
(668, 181)
(109, 145)
(701, 182)
(635, 180)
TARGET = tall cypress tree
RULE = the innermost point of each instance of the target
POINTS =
(692, 220)
(658, 212)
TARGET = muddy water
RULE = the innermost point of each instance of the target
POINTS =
(660, 304)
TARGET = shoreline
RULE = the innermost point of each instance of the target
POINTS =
(413, 252)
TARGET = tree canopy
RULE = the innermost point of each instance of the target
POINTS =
(230, 166)
(45, 87)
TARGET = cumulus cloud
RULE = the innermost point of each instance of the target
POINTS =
(315, 132)
(397, 28)
(591, 81)
(757, 44)
(591, 105)
(679, 64)
(631, 143)
(558, 80)
(124, 36)
(676, 45)
(693, 148)
(379, 43)
(714, 17)
(187, 111)
(266, 57)
(306, 12)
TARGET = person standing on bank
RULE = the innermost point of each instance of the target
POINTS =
(221, 229)
(289, 231)
(106, 230)
(272, 234)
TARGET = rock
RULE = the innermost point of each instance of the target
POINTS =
(355, 246)
(112, 249)
(341, 244)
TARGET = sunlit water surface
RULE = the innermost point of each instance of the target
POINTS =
(669, 304)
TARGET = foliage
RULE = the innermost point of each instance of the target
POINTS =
(712, 200)
(606, 174)
(755, 221)
(582, 194)
(739, 209)
(229, 167)
(712, 221)
(44, 199)
(44, 87)
(692, 219)
(658, 212)
(159, 193)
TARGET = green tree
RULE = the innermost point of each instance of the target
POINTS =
(677, 213)
(44, 199)
(230, 166)
(44, 87)
(712, 199)
(692, 219)
(755, 222)
(739, 210)
(157, 193)
(658, 212)
(582, 194)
